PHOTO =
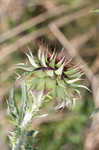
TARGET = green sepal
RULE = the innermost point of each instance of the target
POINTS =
(60, 70)
(60, 62)
(71, 71)
(52, 62)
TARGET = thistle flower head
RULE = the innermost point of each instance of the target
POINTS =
(46, 77)
(53, 74)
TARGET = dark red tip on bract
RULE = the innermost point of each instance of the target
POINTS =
(49, 56)
(67, 63)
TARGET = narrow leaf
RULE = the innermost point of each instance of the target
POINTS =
(71, 71)
(81, 86)
(39, 54)
(59, 70)
(24, 67)
(23, 104)
(52, 55)
(60, 62)
(43, 60)
(52, 62)
(31, 59)
(72, 81)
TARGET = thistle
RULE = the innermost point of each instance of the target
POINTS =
(53, 74)
(20, 115)
(47, 77)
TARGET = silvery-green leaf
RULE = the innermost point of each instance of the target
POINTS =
(72, 81)
(52, 56)
(39, 54)
(59, 70)
(71, 71)
(77, 75)
(23, 103)
(52, 62)
(43, 60)
(46, 56)
(27, 118)
(24, 67)
(60, 62)
(31, 59)
(30, 52)
(81, 86)
(12, 105)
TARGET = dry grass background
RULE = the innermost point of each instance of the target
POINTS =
(72, 26)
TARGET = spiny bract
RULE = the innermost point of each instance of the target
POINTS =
(53, 74)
